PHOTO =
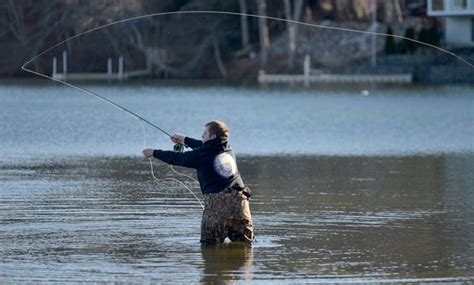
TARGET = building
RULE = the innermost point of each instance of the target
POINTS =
(458, 20)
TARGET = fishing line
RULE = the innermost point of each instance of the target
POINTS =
(82, 89)
(141, 119)
(152, 171)
(236, 14)
(134, 115)
(176, 180)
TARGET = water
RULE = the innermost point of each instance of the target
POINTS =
(347, 188)
(51, 119)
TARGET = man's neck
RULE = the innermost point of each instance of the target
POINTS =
(216, 140)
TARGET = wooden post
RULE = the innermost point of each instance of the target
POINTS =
(120, 67)
(261, 76)
(306, 69)
(55, 66)
(64, 63)
(109, 67)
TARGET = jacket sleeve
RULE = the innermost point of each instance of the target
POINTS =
(186, 159)
(192, 143)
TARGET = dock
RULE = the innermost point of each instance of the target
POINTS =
(318, 76)
(264, 78)
(100, 76)
(85, 76)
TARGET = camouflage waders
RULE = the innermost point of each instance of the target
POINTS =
(226, 214)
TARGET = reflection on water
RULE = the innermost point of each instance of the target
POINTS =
(227, 262)
(318, 219)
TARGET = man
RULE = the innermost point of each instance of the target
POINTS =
(227, 211)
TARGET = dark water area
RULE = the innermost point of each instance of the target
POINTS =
(318, 219)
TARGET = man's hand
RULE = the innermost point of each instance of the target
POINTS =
(177, 138)
(148, 153)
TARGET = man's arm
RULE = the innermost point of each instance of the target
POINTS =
(192, 143)
(186, 159)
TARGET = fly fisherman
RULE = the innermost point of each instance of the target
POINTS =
(227, 211)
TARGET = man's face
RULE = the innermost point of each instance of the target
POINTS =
(206, 135)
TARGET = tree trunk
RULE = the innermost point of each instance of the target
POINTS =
(398, 10)
(297, 11)
(244, 24)
(291, 32)
(361, 9)
(343, 9)
(393, 11)
(387, 9)
(292, 27)
(263, 33)
(354, 9)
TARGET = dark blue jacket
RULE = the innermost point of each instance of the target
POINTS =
(214, 161)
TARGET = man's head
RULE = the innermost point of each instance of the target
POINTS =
(215, 129)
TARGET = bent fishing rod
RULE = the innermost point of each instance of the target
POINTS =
(23, 67)
(177, 147)
(101, 98)
(211, 12)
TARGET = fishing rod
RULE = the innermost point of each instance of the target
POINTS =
(177, 147)
(180, 147)
(210, 12)
(101, 98)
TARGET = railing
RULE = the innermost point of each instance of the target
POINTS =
(109, 75)
(450, 7)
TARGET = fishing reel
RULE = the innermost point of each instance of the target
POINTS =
(179, 147)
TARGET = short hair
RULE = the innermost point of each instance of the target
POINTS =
(218, 128)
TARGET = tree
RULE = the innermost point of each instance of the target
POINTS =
(292, 14)
(407, 46)
(244, 23)
(352, 10)
(390, 45)
(263, 33)
(28, 27)
(392, 11)
(360, 9)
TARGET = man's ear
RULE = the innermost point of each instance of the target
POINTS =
(213, 137)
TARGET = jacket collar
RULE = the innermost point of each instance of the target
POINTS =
(216, 143)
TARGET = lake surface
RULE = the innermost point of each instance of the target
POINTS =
(50, 119)
(347, 188)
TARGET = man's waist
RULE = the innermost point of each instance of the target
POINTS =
(245, 190)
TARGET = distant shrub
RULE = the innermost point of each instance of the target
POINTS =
(390, 45)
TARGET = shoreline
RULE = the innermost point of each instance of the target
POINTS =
(18, 80)
(77, 158)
